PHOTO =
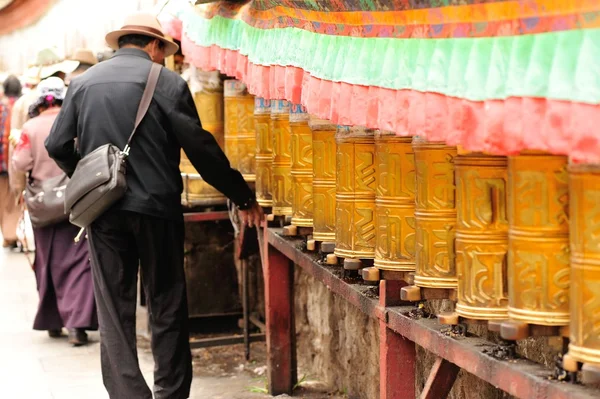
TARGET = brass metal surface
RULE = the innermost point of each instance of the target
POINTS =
(395, 202)
(355, 193)
(264, 151)
(240, 138)
(435, 214)
(196, 192)
(584, 196)
(538, 257)
(481, 236)
(324, 177)
(302, 167)
(281, 190)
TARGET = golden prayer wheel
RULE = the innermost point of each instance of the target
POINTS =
(302, 170)
(395, 202)
(584, 208)
(538, 257)
(481, 236)
(435, 214)
(282, 158)
(196, 192)
(355, 193)
(324, 176)
(240, 139)
(264, 151)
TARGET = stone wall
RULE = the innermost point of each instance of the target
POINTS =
(335, 340)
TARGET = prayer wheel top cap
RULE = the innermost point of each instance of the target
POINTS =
(280, 107)
(476, 159)
(354, 132)
(384, 133)
(298, 113)
(583, 168)
(390, 136)
(320, 124)
(262, 106)
(420, 141)
(234, 88)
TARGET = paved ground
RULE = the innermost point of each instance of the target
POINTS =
(37, 367)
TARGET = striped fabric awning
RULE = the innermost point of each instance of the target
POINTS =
(17, 14)
(494, 76)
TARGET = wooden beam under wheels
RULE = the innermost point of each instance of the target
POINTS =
(279, 308)
(397, 354)
(519, 377)
(440, 380)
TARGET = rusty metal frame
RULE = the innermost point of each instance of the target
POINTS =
(205, 216)
(521, 378)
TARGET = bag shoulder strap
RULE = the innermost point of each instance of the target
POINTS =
(145, 102)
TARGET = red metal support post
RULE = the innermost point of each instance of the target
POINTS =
(440, 380)
(281, 333)
(397, 354)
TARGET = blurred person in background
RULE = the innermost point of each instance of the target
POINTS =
(86, 59)
(12, 89)
(62, 267)
(9, 209)
(48, 63)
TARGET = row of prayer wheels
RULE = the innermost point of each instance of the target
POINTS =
(227, 112)
(514, 238)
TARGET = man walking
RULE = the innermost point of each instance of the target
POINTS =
(146, 227)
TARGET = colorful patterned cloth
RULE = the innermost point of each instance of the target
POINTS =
(4, 129)
(494, 76)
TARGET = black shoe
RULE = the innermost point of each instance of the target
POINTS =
(55, 333)
(78, 337)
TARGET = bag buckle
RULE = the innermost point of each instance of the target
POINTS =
(126, 150)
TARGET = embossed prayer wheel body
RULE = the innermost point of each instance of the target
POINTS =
(538, 257)
(240, 139)
(302, 170)
(282, 158)
(264, 151)
(395, 202)
(584, 198)
(435, 214)
(324, 177)
(481, 236)
(355, 193)
(196, 192)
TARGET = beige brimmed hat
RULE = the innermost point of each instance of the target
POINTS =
(84, 56)
(141, 24)
(48, 62)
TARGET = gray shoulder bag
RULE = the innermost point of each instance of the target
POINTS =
(99, 178)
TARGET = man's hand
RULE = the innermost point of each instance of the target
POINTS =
(252, 216)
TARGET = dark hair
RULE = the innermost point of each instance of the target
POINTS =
(58, 74)
(12, 86)
(140, 41)
(43, 104)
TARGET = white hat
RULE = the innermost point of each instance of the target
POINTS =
(53, 86)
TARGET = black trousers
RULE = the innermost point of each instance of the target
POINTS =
(120, 243)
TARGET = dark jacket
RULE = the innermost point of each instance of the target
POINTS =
(100, 108)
